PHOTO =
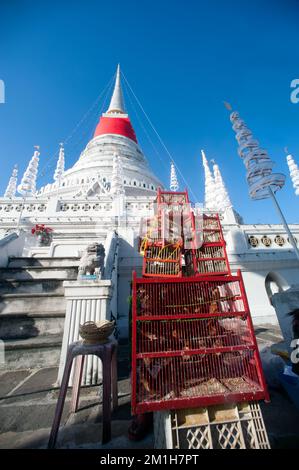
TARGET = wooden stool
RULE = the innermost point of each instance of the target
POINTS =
(107, 352)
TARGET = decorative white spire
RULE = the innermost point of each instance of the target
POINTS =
(27, 187)
(222, 198)
(59, 172)
(174, 184)
(12, 184)
(117, 100)
(117, 185)
(257, 162)
(294, 173)
(210, 202)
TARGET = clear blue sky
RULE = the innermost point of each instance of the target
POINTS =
(182, 59)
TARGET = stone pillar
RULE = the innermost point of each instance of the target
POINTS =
(85, 301)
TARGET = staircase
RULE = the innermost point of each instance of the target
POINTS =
(32, 309)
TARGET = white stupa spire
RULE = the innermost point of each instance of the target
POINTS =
(174, 184)
(258, 164)
(210, 202)
(59, 172)
(12, 184)
(27, 187)
(117, 185)
(117, 100)
(223, 201)
(294, 173)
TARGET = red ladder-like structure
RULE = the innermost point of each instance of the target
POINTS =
(211, 258)
(193, 342)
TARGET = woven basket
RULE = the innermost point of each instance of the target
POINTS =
(96, 332)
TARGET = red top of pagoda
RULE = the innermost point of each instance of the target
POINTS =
(115, 125)
(115, 121)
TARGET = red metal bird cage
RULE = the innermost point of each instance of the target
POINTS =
(162, 259)
(161, 244)
(211, 257)
(173, 199)
(193, 344)
(164, 236)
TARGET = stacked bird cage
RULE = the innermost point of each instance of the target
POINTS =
(193, 344)
(211, 257)
(162, 243)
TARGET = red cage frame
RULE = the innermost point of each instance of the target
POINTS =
(242, 358)
(211, 265)
(170, 197)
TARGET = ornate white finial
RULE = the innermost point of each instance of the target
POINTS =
(210, 202)
(117, 185)
(117, 100)
(12, 184)
(294, 173)
(257, 162)
(59, 172)
(174, 184)
(27, 187)
(222, 198)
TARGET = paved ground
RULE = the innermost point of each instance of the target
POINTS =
(28, 399)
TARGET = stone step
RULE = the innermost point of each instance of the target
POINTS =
(20, 262)
(25, 326)
(77, 430)
(34, 286)
(36, 352)
(32, 352)
(39, 272)
(26, 303)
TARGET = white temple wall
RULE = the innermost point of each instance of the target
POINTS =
(129, 260)
(262, 281)
(290, 275)
(273, 265)
(260, 307)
